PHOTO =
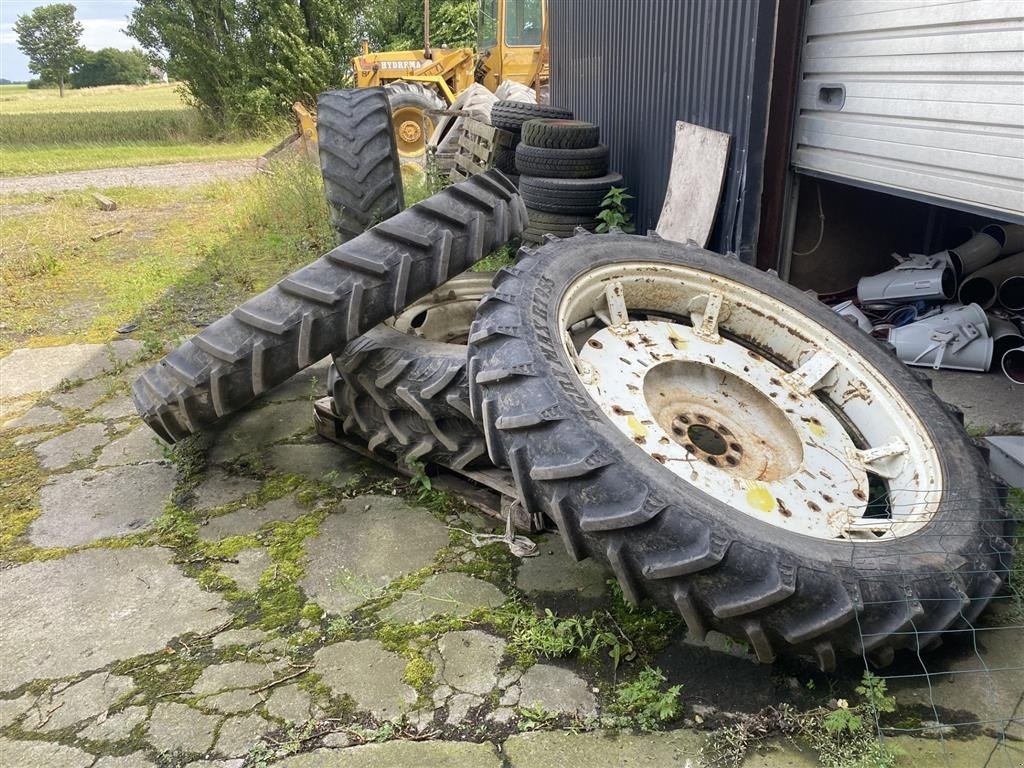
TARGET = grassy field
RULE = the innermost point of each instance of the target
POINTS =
(185, 256)
(111, 126)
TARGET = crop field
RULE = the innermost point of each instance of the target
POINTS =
(111, 126)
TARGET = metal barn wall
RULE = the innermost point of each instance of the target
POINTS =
(635, 67)
(922, 99)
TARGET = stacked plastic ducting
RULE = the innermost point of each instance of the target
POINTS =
(959, 309)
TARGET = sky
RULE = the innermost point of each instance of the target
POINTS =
(103, 20)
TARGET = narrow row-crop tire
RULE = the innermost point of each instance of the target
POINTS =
(318, 309)
(567, 196)
(560, 134)
(720, 568)
(588, 163)
(510, 115)
(358, 159)
(408, 396)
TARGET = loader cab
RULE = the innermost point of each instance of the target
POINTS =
(510, 36)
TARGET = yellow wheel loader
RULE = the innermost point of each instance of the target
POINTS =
(512, 45)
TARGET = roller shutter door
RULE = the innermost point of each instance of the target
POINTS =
(920, 98)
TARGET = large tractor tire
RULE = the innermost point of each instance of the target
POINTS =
(510, 90)
(402, 387)
(318, 309)
(474, 102)
(733, 449)
(358, 159)
(411, 118)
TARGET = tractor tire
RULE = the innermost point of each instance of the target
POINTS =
(724, 560)
(562, 163)
(473, 102)
(510, 90)
(411, 121)
(358, 159)
(510, 115)
(560, 134)
(542, 223)
(322, 306)
(567, 196)
(402, 387)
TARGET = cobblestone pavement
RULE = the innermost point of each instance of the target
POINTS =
(258, 596)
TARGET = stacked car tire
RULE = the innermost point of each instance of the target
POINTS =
(468, 376)
(564, 176)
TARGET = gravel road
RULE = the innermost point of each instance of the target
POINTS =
(173, 175)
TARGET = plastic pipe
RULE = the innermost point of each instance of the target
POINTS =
(971, 256)
(1011, 293)
(957, 313)
(957, 339)
(982, 287)
(1009, 236)
(1013, 365)
(913, 280)
(1005, 335)
(851, 312)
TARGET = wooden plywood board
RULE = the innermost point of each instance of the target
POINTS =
(699, 159)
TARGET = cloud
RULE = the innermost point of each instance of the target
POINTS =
(105, 33)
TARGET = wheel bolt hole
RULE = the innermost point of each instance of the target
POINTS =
(731, 460)
(703, 419)
(678, 430)
(707, 439)
(712, 461)
(736, 447)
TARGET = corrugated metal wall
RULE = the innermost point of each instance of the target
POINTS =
(636, 66)
(922, 98)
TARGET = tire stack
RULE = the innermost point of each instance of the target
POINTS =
(563, 176)
(434, 363)
(510, 116)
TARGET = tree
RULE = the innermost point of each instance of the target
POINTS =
(243, 61)
(109, 66)
(49, 37)
(397, 25)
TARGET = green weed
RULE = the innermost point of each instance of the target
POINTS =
(614, 213)
(642, 703)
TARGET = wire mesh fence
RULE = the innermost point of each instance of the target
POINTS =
(950, 641)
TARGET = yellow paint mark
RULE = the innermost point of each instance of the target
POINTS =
(677, 341)
(817, 428)
(639, 430)
(760, 498)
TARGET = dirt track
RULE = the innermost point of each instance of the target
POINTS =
(172, 175)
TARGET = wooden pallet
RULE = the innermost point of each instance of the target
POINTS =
(478, 145)
(492, 491)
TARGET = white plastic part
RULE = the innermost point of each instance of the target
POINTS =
(980, 250)
(1009, 236)
(920, 278)
(982, 287)
(957, 340)
(1005, 335)
(852, 312)
(1013, 365)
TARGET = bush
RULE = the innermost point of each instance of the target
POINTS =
(37, 83)
(110, 66)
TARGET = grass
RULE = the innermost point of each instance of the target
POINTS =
(185, 257)
(111, 126)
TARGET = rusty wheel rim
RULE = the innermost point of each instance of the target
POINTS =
(747, 400)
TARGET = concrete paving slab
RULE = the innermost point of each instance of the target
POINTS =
(401, 754)
(219, 488)
(134, 760)
(446, 594)
(120, 407)
(140, 446)
(116, 727)
(238, 735)
(38, 369)
(35, 417)
(86, 505)
(368, 543)
(42, 754)
(245, 521)
(554, 689)
(252, 431)
(71, 446)
(83, 396)
(247, 571)
(469, 661)
(603, 749)
(177, 727)
(86, 699)
(368, 673)
(991, 402)
(553, 570)
(237, 637)
(100, 606)
(323, 462)
(289, 703)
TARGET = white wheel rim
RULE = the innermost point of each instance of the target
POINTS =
(750, 402)
(446, 314)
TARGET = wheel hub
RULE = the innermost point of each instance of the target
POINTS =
(410, 131)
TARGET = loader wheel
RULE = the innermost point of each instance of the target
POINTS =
(567, 196)
(358, 159)
(560, 134)
(322, 306)
(402, 387)
(562, 163)
(510, 115)
(413, 124)
(735, 450)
